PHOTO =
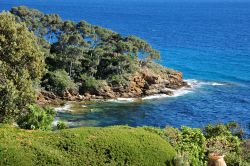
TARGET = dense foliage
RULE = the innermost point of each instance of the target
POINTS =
(40, 51)
(86, 52)
(120, 145)
(58, 82)
(193, 145)
(21, 66)
(37, 117)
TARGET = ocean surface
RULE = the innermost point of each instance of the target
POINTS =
(208, 41)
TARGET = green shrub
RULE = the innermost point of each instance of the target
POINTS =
(229, 129)
(118, 80)
(21, 64)
(246, 150)
(90, 84)
(225, 140)
(189, 143)
(37, 117)
(224, 144)
(58, 82)
(182, 159)
(118, 145)
(62, 125)
(155, 130)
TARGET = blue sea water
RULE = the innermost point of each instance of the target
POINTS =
(209, 41)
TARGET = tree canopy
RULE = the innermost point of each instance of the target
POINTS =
(21, 65)
(81, 48)
(42, 49)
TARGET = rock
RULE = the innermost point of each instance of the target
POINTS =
(48, 95)
(45, 97)
(99, 97)
(80, 97)
(146, 81)
(166, 82)
(152, 92)
(151, 79)
(110, 95)
(167, 92)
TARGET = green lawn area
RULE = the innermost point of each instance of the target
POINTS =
(117, 145)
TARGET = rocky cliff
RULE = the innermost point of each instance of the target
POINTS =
(148, 80)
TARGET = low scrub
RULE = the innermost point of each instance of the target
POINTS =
(118, 145)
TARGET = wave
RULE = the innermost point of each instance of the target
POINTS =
(155, 96)
(196, 83)
(122, 100)
(66, 107)
(193, 85)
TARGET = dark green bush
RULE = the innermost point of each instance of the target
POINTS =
(90, 84)
(58, 82)
(118, 80)
(37, 117)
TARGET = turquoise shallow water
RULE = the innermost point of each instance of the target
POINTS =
(208, 41)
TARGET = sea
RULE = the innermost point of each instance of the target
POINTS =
(207, 40)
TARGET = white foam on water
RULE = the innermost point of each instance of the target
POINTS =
(217, 84)
(54, 123)
(66, 107)
(84, 106)
(122, 100)
(181, 92)
(155, 96)
(195, 83)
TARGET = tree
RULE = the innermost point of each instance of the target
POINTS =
(32, 18)
(21, 65)
(58, 82)
(80, 48)
(53, 23)
(70, 48)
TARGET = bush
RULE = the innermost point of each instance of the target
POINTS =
(37, 117)
(118, 145)
(225, 140)
(58, 82)
(21, 64)
(119, 80)
(189, 143)
(90, 84)
(246, 150)
(229, 129)
(62, 125)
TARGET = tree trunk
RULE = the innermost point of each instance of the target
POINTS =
(70, 69)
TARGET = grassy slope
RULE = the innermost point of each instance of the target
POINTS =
(118, 145)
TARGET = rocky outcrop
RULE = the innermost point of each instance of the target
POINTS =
(146, 83)
(45, 97)
(142, 83)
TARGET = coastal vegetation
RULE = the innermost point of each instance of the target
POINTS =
(193, 145)
(44, 57)
(118, 145)
(123, 145)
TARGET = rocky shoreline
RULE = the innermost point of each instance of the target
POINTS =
(145, 82)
